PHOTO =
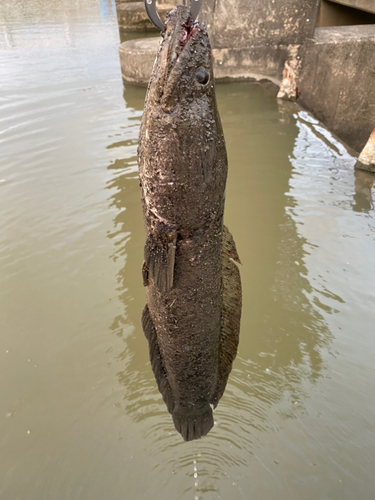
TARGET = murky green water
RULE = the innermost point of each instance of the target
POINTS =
(297, 420)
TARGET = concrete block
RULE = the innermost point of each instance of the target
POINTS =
(132, 16)
(137, 58)
(336, 81)
(244, 23)
(252, 63)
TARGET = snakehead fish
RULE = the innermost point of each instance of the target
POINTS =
(192, 316)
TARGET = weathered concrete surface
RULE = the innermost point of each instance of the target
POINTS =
(138, 56)
(337, 78)
(366, 5)
(244, 23)
(132, 16)
(288, 89)
(253, 63)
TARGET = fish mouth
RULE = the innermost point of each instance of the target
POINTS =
(174, 57)
(182, 36)
(190, 30)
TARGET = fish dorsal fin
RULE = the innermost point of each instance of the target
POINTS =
(156, 359)
(160, 250)
(230, 313)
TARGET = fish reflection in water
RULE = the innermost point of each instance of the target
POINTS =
(192, 316)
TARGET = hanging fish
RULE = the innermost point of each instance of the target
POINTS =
(192, 315)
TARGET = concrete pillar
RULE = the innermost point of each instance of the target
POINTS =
(336, 81)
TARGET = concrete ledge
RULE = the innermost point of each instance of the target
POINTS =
(344, 34)
(366, 5)
(336, 81)
(132, 16)
(137, 58)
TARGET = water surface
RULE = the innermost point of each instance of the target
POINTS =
(80, 414)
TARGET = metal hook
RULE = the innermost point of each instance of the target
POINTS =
(150, 6)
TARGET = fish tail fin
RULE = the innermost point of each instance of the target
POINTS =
(230, 314)
(193, 425)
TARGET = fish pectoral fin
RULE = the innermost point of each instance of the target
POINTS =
(160, 253)
(230, 314)
(156, 359)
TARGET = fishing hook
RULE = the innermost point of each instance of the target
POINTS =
(150, 6)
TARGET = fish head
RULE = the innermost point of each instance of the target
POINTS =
(183, 70)
(181, 154)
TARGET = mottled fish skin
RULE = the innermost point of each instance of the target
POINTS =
(182, 156)
(183, 170)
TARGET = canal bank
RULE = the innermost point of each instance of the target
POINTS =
(329, 52)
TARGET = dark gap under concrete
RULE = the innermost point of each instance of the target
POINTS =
(334, 14)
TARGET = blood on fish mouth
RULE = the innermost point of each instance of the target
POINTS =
(190, 30)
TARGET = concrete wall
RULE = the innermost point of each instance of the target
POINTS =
(258, 35)
(244, 23)
(248, 37)
(337, 81)
(137, 58)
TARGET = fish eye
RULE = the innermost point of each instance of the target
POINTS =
(202, 76)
